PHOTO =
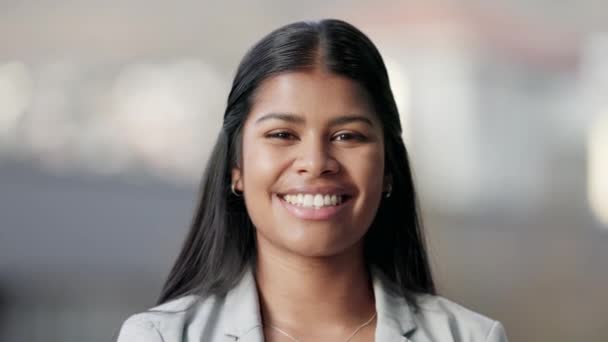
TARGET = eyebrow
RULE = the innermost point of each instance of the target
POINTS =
(298, 119)
(289, 117)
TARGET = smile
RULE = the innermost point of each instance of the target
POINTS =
(307, 206)
(314, 200)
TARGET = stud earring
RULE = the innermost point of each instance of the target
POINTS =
(389, 191)
(234, 191)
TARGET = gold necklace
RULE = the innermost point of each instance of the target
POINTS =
(348, 339)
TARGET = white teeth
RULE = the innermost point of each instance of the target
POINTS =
(308, 200)
(318, 201)
(313, 201)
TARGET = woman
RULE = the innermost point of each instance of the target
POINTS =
(307, 227)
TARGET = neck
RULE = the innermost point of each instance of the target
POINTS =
(328, 293)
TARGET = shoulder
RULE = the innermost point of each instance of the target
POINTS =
(166, 322)
(447, 320)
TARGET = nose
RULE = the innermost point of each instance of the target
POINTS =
(315, 159)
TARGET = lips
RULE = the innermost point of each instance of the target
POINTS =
(313, 213)
(314, 200)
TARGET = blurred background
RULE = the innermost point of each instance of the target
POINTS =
(108, 110)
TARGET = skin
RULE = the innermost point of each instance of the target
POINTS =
(311, 275)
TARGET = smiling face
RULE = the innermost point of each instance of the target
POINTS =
(312, 163)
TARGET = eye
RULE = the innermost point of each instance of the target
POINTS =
(281, 135)
(349, 136)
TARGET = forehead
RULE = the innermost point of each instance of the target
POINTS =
(310, 93)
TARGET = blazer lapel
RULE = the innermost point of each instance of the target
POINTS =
(242, 321)
(395, 317)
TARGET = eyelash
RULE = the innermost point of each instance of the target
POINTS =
(352, 136)
(282, 135)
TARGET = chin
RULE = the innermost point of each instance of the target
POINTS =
(319, 248)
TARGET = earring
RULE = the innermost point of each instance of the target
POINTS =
(234, 191)
(389, 191)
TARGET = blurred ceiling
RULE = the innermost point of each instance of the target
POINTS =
(125, 29)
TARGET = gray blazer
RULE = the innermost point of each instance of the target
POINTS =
(236, 317)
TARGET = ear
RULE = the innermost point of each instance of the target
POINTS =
(237, 177)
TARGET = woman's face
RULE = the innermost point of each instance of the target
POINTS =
(312, 163)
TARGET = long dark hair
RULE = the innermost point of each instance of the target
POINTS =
(221, 242)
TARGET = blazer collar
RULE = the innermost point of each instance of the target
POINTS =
(395, 316)
(243, 320)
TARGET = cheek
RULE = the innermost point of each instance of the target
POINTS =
(367, 170)
(262, 164)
